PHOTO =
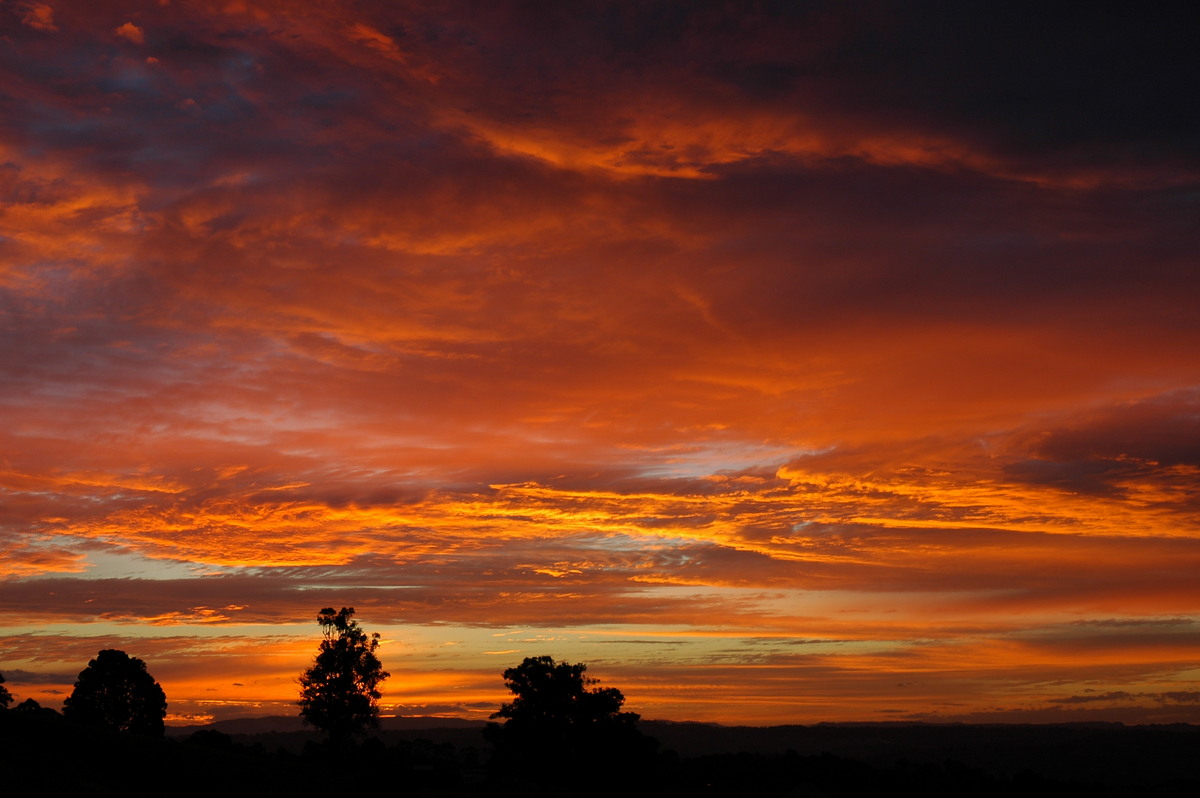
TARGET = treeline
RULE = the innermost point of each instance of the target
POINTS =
(561, 735)
(50, 756)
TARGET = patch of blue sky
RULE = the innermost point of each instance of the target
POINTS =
(117, 563)
(699, 461)
(130, 77)
(485, 647)
(621, 542)
(332, 587)
(616, 646)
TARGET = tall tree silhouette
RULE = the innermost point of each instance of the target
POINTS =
(338, 693)
(564, 734)
(115, 691)
(5, 696)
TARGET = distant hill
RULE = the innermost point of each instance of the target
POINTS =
(50, 756)
(270, 723)
(1108, 753)
(294, 723)
(448, 757)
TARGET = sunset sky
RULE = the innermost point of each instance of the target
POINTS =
(784, 362)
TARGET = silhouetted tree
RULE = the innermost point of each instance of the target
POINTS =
(31, 708)
(557, 697)
(5, 696)
(565, 734)
(338, 693)
(115, 691)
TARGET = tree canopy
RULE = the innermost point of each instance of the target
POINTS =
(115, 691)
(339, 691)
(561, 727)
(5, 696)
(557, 697)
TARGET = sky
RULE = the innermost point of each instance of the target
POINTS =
(784, 362)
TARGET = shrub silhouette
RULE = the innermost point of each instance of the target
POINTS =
(115, 691)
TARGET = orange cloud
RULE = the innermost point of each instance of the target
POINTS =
(131, 32)
(39, 16)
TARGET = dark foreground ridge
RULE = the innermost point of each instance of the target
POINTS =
(47, 755)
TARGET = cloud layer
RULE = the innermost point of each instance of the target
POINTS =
(786, 363)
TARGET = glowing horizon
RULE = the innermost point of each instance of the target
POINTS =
(785, 366)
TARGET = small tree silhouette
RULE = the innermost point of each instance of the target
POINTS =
(115, 691)
(5, 696)
(338, 692)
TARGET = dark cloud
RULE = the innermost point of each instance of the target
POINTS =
(1163, 430)
(1119, 623)
(1174, 697)
(18, 676)
(1039, 81)
(1150, 443)
(451, 710)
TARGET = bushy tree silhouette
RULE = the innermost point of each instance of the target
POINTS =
(5, 696)
(338, 693)
(31, 708)
(115, 691)
(557, 697)
(564, 734)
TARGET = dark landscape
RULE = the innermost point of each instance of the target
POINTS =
(276, 756)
